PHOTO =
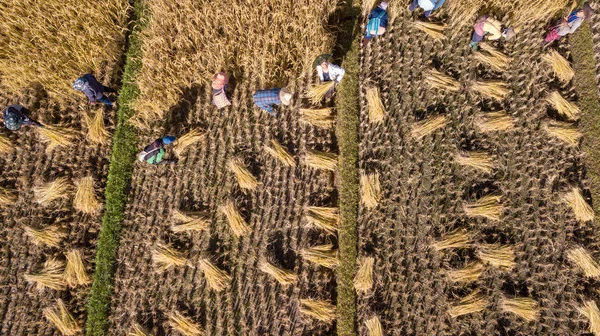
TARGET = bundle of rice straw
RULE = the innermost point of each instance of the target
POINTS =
(186, 140)
(56, 136)
(317, 92)
(436, 31)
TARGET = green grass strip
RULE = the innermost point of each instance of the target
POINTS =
(119, 176)
(582, 49)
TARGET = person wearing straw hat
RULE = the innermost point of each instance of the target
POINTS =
(89, 85)
(428, 5)
(328, 72)
(154, 153)
(569, 24)
(266, 99)
(490, 27)
(219, 86)
(377, 24)
(16, 116)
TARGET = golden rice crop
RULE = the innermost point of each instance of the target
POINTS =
(283, 276)
(97, 133)
(280, 154)
(216, 278)
(363, 280)
(436, 31)
(323, 255)
(374, 326)
(582, 210)
(501, 256)
(50, 236)
(321, 160)
(428, 126)
(56, 136)
(471, 272)
(488, 207)
(533, 11)
(85, 199)
(318, 309)
(7, 196)
(563, 106)
(472, 303)
(187, 222)
(462, 13)
(495, 121)
(375, 105)
(137, 330)
(370, 190)
(524, 307)
(491, 89)
(322, 117)
(5, 145)
(75, 273)
(238, 225)
(56, 189)
(441, 81)
(580, 257)
(318, 91)
(590, 310)
(165, 257)
(183, 324)
(561, 67)
(62, 319)
(459, 238)
(243, 176)
(478, 160)
(51, 276)
(367, 6)
(565, 132)
(326, 218)
(186, 140)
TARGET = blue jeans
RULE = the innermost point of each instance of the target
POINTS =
(105, 100)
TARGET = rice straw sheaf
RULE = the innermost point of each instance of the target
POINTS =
(186, 222)
(363, 280)
(459, 238)
(495, 121)
(7, 196)
(563, 106)
(560, 66)
(470, 273)
(51, 191)
(85, 199)
(75, 273)
(428, 126)
(216, 278)
(590, 310)
(97, 133)
(565, 132)
(317, 92)
(280, 154)
(472, 303)
(56, 136)
(323, 255)
(436, 31)
(184, 325)
(441, 81)
(318, 309)
(580, 257)
(370, 190)
(243, 176)
(187, 140)
(49, 236)
(137, 330)
(5, 145)
(322, 117)
(51, 276)
(524, 307)
(375, 105)
(238, 225)
(582, 210)
(374, 326)
(492, 89)
(165, 257)
(62, 319)
(283, 276)
(325, 218)
(492, 57)
(478, 160)
(500, 256)
(321, 160)
(488, 207)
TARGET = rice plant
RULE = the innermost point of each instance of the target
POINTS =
(62, 319)
(7, 196)
(370, 190)
(49, 236)
(459, 238)
(363, 280)
(563, 106)
(478, 160)
(441, 81)
(436, 31)
(523, 307)
(375, 105)
(5, 145)
(137, 330)
(280, 154)
(283, 276)
(374, 326)
(581, 209)
(565, 132)
(85, 199)
(487, 207)
(428, 126)
(325, 218)
(322, 117)
(470, 273)
(56, 136)
(580, 257)
(321, 160)
(97, 133)
(238, 225)
(183, 324)
(185, 222)
(495, 121)
(591, 312)
(318, 309)
(323, 255)
(50, 276)
(51, 191)
(216, 278)
(165, 257)
(243, 176)
(500, 256)
(317, 92)
(560, 66)
(75, 273)
(492, 89)
(472, 303)
(187, 140)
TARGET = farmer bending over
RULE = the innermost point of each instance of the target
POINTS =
(328, 72)
(219, 86)
(266, 99)
(93, 89)
(155, 152)
(491, 27)
(16, 116)
(569, 24)
(427, 5)
(377, 24)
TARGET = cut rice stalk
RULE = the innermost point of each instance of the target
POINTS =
(318, 117)
(317, 92)
(137, 330)
(580, 257)
(216, 278)
(51, 191)
(5, 145)
(428, 126)
(370, 190)
(363, 280)
(186, 222)
(280, 154)
(472, 303)
(501, 256)
(492, 89)
(590, 310)
(459, 238)
(565, 132)
(283, 276)
(85, 198)
(436, 31)
(97, 133)
(321, 160)
(165, 257)
(243, 176)
(184, 325)
(478, 160)
(62, 319)
(56, 136)
(50, 236)
(51, 276)
(499, 61)
(582, 210)
(560, 66)
(325, 218)
(318, 309)
(75, 273)
(323, 255)
(495, 121)
(374, 326)
(470, 273)
(441, 81)
(238, 225)
(7, 197)
(563, 106)
(488, 207)
(524, 307)
(187, 140)
(375, 105)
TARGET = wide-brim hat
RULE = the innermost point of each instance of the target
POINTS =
(286, 96)
(320, 59)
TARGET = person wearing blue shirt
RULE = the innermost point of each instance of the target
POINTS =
(266, 99)
(377, 24)
(427, 5)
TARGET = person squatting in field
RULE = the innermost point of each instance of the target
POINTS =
(16, 116)
(154, 153)
(266, 99)
(219, 86)
(428, 6)
(89, 85)
(490, 27)
(328, 72)
(569, 24)
(377, 24)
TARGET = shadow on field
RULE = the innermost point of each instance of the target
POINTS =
(179, 114)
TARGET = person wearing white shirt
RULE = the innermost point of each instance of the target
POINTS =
(329, 72)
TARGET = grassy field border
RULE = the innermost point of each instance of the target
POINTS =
(581, 44)
(119, 176)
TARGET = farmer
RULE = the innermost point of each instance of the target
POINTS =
(155, 152)
(265, 99)
(328, 72)
(219, 86)
(427, 5)
(16, 116)
(569, 24)
(377, 24)
(93, 89)
(487, 25)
